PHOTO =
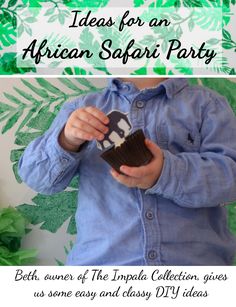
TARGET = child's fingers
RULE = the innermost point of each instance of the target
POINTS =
(98, 114)
(123, 179)
(136, 172)
(114, 173)
(77, 135)
(155, 150)
(82, 130)
(89, 120)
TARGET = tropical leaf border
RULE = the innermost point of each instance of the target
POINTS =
(57, 10)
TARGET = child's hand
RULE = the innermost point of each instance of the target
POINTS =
(143, 177)
(84, 124)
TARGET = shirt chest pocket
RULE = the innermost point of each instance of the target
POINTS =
(177, 138)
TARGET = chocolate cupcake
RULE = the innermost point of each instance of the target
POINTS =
(132, 152)
(120, 146)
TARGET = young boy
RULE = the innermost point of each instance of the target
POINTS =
(169, 212)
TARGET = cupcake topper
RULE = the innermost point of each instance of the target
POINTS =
(119, 128)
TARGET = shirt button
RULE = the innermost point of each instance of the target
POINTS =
(152, 255)
(139, 104)
(149, 215)
(64, 160)
(126, 87)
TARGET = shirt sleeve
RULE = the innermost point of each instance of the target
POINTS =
(45, 166)
(206, 178)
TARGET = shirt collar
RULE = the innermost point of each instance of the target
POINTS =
(170, 87)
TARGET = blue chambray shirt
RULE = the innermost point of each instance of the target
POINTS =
(181, 220)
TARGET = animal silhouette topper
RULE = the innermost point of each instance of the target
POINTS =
(119, 128)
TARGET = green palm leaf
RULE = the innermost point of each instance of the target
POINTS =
(12, 120)
(39, 91)
(69, 84)
(27, 96)
(75, 71)
(5, 108)
(49, 87)
(8, 65)
(23, 139)
(7, 35)
(14, 99)
(162, 3)
(138, 3)
(208, 19)
(85, 82)
(26, 119)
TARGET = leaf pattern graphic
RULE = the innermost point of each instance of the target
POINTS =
(119, 39)
(138, 3)
(85, 3)
(206, 19)
(56, 12)
(163, 3)
(34, 3)
(8, 65)
(87, 39)
(76, 71)
(7, 34)
(45, 211)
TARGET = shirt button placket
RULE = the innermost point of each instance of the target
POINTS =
(137, 116)
(151, 253)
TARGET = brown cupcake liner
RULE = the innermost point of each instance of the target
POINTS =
(132, 152)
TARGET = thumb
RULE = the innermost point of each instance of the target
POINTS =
(155, 150)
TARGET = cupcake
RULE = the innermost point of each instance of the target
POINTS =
(120, 147)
